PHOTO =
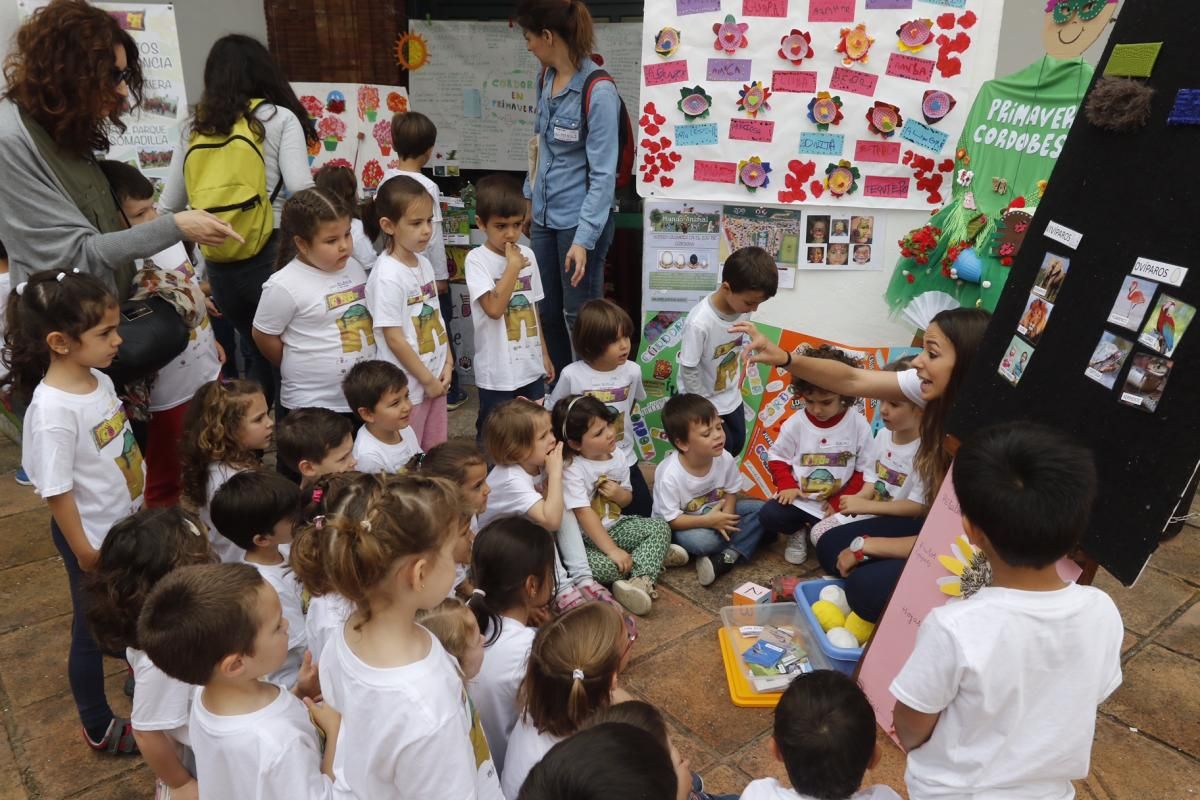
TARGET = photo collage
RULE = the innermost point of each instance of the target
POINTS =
(1035, 317)
(839, 241)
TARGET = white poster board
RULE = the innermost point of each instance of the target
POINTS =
(479, 86)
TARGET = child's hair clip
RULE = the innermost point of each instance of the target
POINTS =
(577, 674)
(365, 525)
(317, 494)
(191, 526)
(479, 592)
(319, 522)
(21, 288)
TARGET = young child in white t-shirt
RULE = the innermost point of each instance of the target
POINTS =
(832, 765)
(221, 627)
(406, 721)
(377, 390)
(257, 511)
(999, 696)
(601, 338)
(314, 442)
(402, 295)
(329, 495)
(710, 357)
(511, 358)
(138, 551)
(338, 179)
(312, 322)
(816, 459)
(78, 450)
(461, 461)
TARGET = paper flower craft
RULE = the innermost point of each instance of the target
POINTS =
(667, 41)
(313, 105)
(336, 102)
(825, 110)
(332, 130)
(884, 119)
(936, 105)
(731, 35)
(397, 102)
(339, 162)
(372, 175)
(694, 102)
(753, 97)
(965, 177)
(915, 35)
(753, 173)
(842, 178)
(969, 569)
(368, 103)
(314, 147)
(383, 135)
(796, 46)
(855, 44)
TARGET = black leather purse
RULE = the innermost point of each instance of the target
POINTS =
(152, 335)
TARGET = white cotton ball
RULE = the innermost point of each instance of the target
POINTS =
(840, 637)
(836, 595)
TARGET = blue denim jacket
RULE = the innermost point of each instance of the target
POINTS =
(575, 178)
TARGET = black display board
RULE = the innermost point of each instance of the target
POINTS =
(1130, 195)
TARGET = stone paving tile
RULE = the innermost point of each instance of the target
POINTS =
(673, 616)
(1181, 556)
(1183, 635)
(26, 538)
(137, 784)
(30, 722)
(15, 498)
(10, 773)
(33, 593)
(1153, 599)
(725, 779)
(33, 661)
(1130, 766)
(1160, 695)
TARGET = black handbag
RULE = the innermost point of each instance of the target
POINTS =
(152, 335)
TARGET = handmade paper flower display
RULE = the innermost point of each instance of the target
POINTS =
(372, 175)
(753, 173)
(336, 102)
(667, 41)
(382, 133)
(855, 44)
(796, 46)
(884, 119)
(368, 103)
(915, 35)
(731, 35)
(825, 110)
(753, 98)
(313, 105)
(397, 102)
(842, 178)
(936, 105)
(968, 567)
(694, 102)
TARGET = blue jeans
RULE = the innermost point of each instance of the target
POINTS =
(706, 541)
(734, 424)
(870, 584)
(490, 398)
(560, 305)
(236, 289)
(778, 518)
(447, 307)
(642, 504)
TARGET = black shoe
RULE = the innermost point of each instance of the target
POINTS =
(709, 568)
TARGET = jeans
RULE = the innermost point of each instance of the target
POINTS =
(642, 504)
(490, 398)
(560, 305)
(227, 337)
(870, 584)
(571, 564)
(706, 541)
(734, 424)
(447, 307)
(236, 289)
(778, 518)
(85, 662)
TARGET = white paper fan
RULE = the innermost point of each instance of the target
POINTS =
(924, 307)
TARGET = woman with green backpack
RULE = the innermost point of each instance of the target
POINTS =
(243, 152)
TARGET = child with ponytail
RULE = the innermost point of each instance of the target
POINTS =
(461, 462)
(78, 450)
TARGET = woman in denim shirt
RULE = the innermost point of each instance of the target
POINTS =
(571, 195)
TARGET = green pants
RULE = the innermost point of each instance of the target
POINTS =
(644, 539)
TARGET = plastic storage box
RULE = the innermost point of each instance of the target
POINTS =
(843, 659)
(746, 689)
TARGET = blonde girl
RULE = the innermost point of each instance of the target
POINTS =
(312, 321)
(227, 423)
(406, 722)
(624, 551)
(572, 674)
(461, 462)
(402, 295)
(78, 450)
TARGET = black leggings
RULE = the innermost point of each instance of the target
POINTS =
(870, 584)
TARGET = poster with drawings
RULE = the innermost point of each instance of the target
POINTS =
(807, 101)
(354, 126)
(680, 259)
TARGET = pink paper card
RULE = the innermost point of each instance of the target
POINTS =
(684, 7)
(852, 80)
(802, 82)
(751, 130)
(666, 72)
(888, 188)
(764, 8)
(831, 10)
(877, 152)
(729, 69)
(715, 171)
(910, 67)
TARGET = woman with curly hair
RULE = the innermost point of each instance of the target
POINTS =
(242, 79)
(69, 77)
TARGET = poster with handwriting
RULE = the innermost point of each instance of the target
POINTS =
(808, 102)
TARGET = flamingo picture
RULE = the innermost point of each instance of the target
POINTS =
(1166, 326)
(1135, 297)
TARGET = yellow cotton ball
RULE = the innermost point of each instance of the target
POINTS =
(859, 627)
(828, 615)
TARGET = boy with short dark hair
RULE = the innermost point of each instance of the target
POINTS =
(258, 511)
(313, 442)
(221, 626)
(710, 357)
(999, 696)
(696, 490)
(511, 357)
(377, 391)
(825, 737)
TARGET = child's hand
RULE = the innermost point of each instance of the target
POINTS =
(846, 562)
(433, 387)
(623, 560)
(548, 366)
(608, 489)
(88, 559)
(540, 616)
(308, 682)
(447, 374)
(554, 461)
(853, 505)
(514, 258)
(723, 522)
(785, 496)
(324, 716)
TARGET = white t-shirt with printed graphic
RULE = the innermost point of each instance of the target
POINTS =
(716, 353)
(226, 551)
(823, 460)
(508, 351)
(495, 687)
(618, 389)
(678, 492)
(198, 364)
(582, 476)
(435, 251)
(405, 297)
(160, 703)
(288, 587)
(373, 455)
(83, 444)
(891, 469)
(512, 492)
(326, 328)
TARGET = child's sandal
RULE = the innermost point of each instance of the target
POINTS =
(117, 740)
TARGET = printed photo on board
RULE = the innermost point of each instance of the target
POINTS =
(816, 255)
(839, 230)
(1132, 303)
(862, 254)
(1107, 359)
(862, 230)
(1033, 321)
(1051, 276)
(1146, 382)
(1016, 360)
(1166, 324)
(839, 254)
(817, 230)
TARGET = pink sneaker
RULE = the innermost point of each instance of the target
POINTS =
(568, 598)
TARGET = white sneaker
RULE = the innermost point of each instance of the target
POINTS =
(796, 551)
(633, 594)
(676, 556)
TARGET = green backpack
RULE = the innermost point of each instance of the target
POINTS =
(226, 175)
